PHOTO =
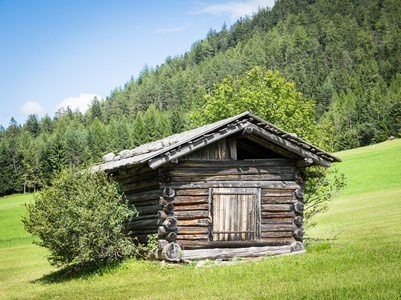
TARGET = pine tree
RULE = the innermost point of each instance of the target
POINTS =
(125, 140)
(113, 140)
(139, 135)
(150, 118)
(163, 126)
(97, 140)
(76, 144)
(32, 125)
(177, 121)
(6, 168)
(96, 110)
(58, 156)
(44, 146)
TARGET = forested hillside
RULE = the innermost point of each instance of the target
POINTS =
(345, 55)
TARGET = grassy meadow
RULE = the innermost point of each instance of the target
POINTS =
(354, 252)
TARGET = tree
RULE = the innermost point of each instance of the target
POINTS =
(96, 110)
(163, 126)
(6, 168)
(12, 142)
(58, 157)
(32, 125)
(30, 161)
(123, 134)
(97, 140)
(272, 98)
(81, 220)
(150, 118)
(178, 121)
(267, 95)
(139, 135)
(113, 140)
(76, 144)
(46, 125)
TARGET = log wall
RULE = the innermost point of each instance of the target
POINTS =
(179, 203)
(279, 208)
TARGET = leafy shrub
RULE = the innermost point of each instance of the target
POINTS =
(81, 220)
(323, 184)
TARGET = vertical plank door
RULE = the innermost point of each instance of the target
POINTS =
(236, 214)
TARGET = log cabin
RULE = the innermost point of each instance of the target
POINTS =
(233, 188)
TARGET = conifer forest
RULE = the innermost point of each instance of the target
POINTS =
(343, 56)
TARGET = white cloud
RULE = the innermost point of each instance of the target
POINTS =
(81, 102)
(32, 107)
(236, 9)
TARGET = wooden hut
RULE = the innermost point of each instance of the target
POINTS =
(231, 188)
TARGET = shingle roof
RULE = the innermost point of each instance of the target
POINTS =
(164, 150)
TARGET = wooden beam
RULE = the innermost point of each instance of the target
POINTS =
(247, 163)
(235, 244)
(212, 170)
(186, 149)
(226, 253)
(290, 146)
(288, 185)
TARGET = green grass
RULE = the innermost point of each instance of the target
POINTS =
(12, 232)
(372, 168)
(360, 257)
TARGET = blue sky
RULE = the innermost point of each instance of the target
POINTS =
(58, 53)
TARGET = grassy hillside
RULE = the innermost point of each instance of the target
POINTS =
(360, 257)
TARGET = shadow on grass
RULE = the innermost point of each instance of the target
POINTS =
(322, 242)
(70, 273)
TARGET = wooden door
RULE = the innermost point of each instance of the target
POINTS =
(236, 214)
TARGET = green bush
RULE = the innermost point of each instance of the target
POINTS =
(81, 220)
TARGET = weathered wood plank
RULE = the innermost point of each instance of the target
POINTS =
(151, 209)
(278, 200)
(232, 148)
(143, 196)
(277, 193)
(271, 214)
(191, 237)
(190, 200)
(212, 170)
(277, 207)
(190, 207)
(156, 201)
(216, 150)
(247, 177)
(290, 185)
(185, 244)
(142, 224)
(194, 222)
(128, 172)
(280, 234)
(277, 221)
(193, 192)
(278, 227)
(139, 185)
(226, 253)
(189, 215)
(188, 148)
(138, 177)
(185, 230)
(236, 163)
